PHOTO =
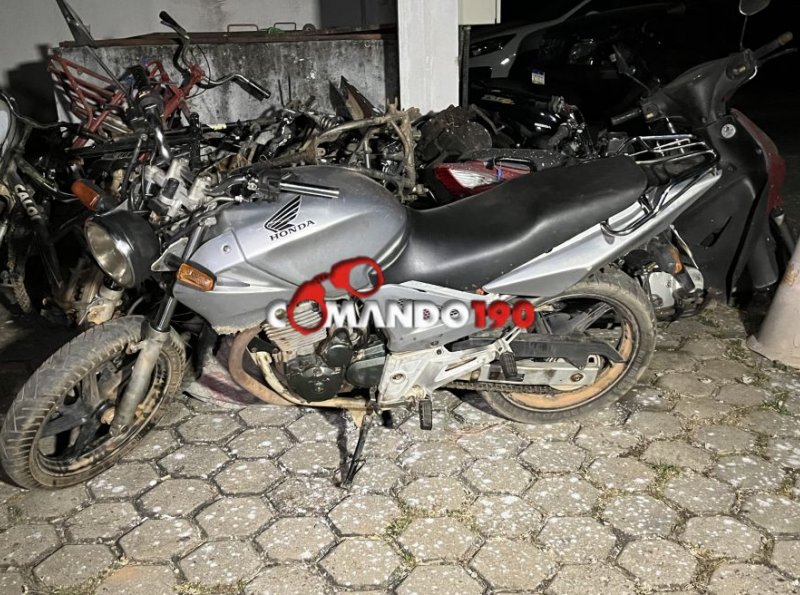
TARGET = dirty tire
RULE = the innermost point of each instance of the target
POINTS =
(54, 379)
(627, 293)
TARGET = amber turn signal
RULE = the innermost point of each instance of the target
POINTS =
(188, 275)
(87, 192)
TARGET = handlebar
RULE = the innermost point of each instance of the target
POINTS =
(172, 24)
(773, 45)
(258, 89)
(626, 116)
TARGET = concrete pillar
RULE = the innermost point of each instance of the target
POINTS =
(428, 49)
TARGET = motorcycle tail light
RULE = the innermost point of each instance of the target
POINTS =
(194, 277)
(87, 192)
(472, 177)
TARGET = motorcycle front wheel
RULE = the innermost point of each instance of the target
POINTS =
(610, 307)
(56, 433)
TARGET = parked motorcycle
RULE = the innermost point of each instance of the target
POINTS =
(333, 294)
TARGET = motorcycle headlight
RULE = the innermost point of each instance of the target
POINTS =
(124, 246)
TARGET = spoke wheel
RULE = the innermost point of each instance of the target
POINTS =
(57, 432)
(611, 308)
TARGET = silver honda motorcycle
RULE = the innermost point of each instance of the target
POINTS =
(590, 247)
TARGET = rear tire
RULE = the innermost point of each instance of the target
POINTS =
(615, 288)
(51, 384)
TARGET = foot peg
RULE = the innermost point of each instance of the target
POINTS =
(509, 366)
(425, 414)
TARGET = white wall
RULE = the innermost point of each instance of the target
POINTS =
(26, 26)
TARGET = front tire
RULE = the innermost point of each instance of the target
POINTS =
(38, 444)
(637, 343)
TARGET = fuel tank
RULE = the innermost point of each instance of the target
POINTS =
(262, 251)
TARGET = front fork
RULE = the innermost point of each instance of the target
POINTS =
(155, 336)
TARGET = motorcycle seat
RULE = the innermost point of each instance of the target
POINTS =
(465, 244)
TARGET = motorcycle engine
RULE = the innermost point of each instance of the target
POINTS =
(313, 365)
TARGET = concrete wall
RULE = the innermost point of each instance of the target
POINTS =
(310, 65)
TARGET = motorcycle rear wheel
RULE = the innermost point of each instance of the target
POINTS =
(56, 433)
(636, 344)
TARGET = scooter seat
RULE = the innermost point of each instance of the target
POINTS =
(467, 243)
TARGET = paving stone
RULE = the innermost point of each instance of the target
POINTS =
(437, 539)
(22, 545)
(724, 439)
(139, 580)
(286, 580)
(12, 582)
(259, 416)
(784, 452)
(748, 472)
(722, 536)
(444, 399)
(124, 481)
(698, 494)
(741, 395)
(747, 579)
(554, 457)
(51, 504)
(157, 540)
(590, 578)
(477, 413)
(488, 476)
(5, 517)
(606, 441)
(702, 409)
(364, 514)
(438, 494)
(253, 476)
(177, 497)
(776, 514)
(677, 454)
(609, 416)
(703, 348)
(319, 426)
(724, 370)
(786, 556)
(439, 580)
(653, 425)
(434, 459)
(563, 495)
(299, 496)
(671, 361)
(174, 412)
(771, 423)
(74, 564)
(382, 443)
(154, 445)
(194, 460)
(313, 458)
(104, 520)
(296, 539)
(507, 516)
(380, 476)
(686, 385)
(628, 475)
(495, 443)
(361, 562)
(7, 491)
(513, 565)
(640, 516)
(256, 443)
(577, 539)
(658, 563)
(647, 398)
(221, 563)
(557, 431)
(215, 427)
(234, 517)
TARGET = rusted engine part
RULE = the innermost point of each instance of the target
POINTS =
(399, 121)
(275, 393)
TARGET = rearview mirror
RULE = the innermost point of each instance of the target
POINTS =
(750, 7)
(80, 32)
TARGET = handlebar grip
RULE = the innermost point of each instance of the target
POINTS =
(170, 22)
(626, 116)
(770, 47)
(260, 90)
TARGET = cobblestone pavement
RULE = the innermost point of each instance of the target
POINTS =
(690, 484)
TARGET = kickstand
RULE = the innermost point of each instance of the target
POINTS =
(356, 462)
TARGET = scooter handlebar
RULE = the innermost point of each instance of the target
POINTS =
(626, 116)
(773, 45)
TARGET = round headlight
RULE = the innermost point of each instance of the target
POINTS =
(124, 246)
